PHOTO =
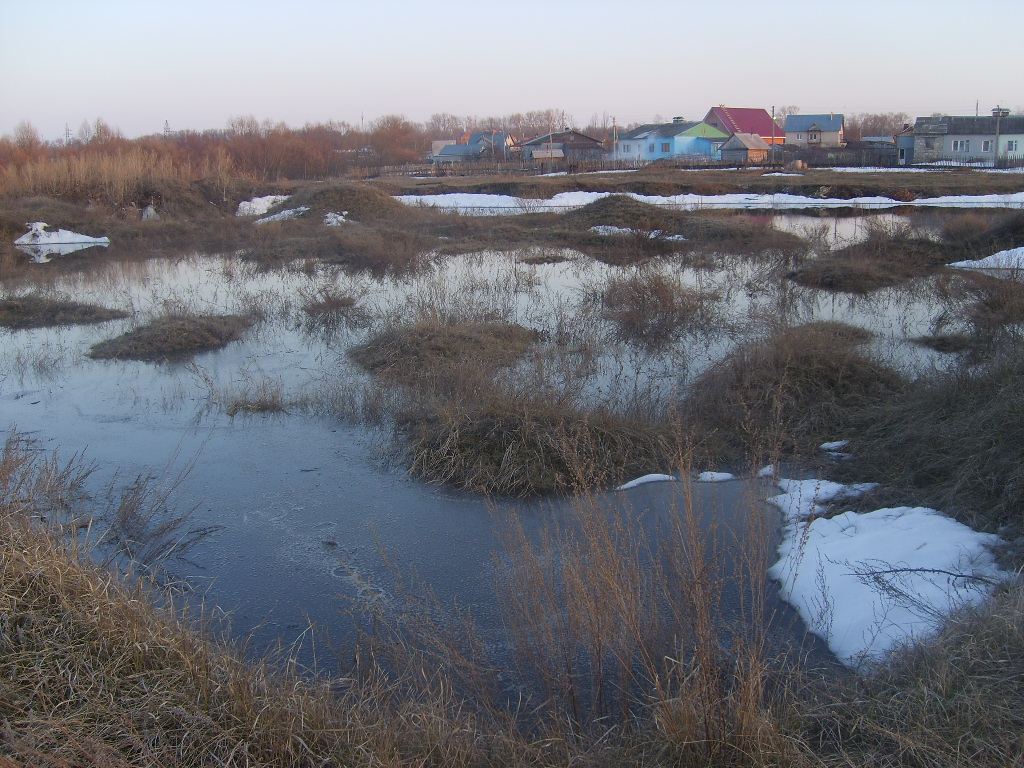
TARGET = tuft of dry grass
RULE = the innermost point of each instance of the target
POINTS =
(954, 701)
(952, 441)
(35, 311)
(511, 445)
(174, 337)
(431, 350)
(650, 308)
(788, 392)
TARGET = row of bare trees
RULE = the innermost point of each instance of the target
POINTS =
(269, 150)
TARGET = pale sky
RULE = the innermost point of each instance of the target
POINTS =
(196, 64)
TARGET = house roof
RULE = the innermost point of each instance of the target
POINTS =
(804, 123)
(744, 120)
(668, 130)
(967, 126)
(573, 138)
(460, 150)
(745, 141)
(495, 138)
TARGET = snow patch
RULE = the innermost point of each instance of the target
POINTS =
(715, 477)
(37, 235)
(870, 582)
(653, 478)
(259, 205)
(286, 215)
(335, 219)
(1003, 263)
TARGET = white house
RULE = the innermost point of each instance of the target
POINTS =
(998, 139)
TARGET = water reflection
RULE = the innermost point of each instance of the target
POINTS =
(303, 497)
(41, 252)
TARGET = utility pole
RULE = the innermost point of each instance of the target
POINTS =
(615, 140)
(999, 113)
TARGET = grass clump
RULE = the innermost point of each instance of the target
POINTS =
(174, 337)
(650, 308)
(42, 312)
(519, 446)
(430, 349)
(952, 441)
(953, 701)
(790, 391)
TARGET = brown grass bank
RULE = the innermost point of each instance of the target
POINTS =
(42, 312)
(788, 392)
(175, 337)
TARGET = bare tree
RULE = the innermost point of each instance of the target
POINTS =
(875, 124)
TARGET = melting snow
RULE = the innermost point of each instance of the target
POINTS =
(714, 477)
(41, 244)
(492, 205)
(286, 215)
(259, 205)
(1003, 263)
(646, 479)
(869, 582)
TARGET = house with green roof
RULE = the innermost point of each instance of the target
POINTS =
(678, 139)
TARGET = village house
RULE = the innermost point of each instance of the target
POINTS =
(996, 139)
(746, 148)
(680, 138)
(815, 130)
(756, 121)
(567, 145)
(473, 147)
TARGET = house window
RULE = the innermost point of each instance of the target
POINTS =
(666, 146)
(626, 149)
(1011, 146)
(814, 137)
(986, 145)
(799, 137)
(961, 145)
(650, 148)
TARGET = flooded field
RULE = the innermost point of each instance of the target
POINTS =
(305, 503)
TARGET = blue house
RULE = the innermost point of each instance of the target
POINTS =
(680, 138)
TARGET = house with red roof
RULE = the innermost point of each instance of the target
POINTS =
(758, 122)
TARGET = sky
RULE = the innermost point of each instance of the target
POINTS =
(197, 64)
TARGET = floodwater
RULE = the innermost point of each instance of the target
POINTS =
(308, 507)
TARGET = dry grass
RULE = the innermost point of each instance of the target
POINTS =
(651, 308)
(788, 392)
(120, 178)
(43, 312)
(952, 441)
(431, 350)
(173, 338)
(952, 702)
(263, 396)
(516, 445)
